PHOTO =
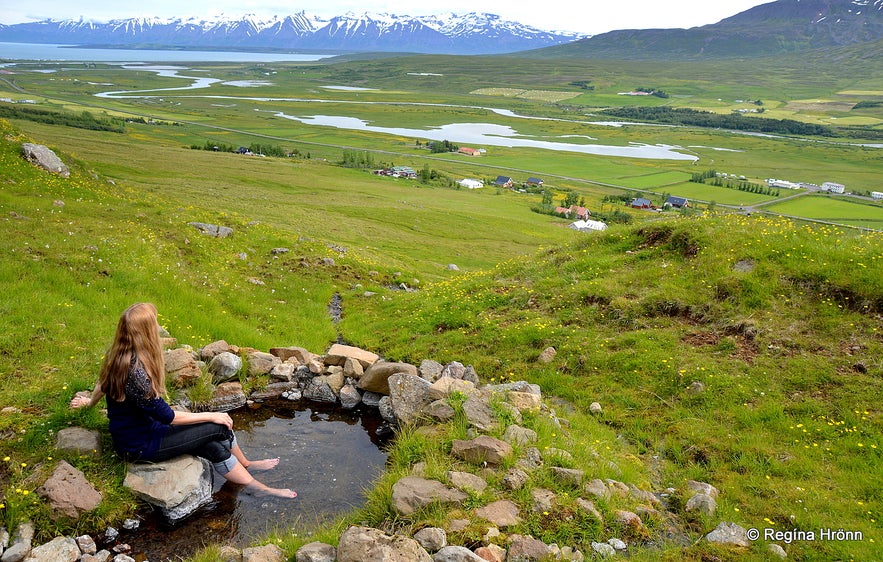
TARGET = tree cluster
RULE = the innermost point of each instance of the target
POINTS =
(735, 121)
(82, 120)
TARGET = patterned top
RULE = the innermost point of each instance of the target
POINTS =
(138, 423)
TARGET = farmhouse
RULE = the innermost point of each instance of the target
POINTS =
(504, 181)
(469, 151)
(533, 182)
(676, 202)
(877, 195)
(470, 183)
(397, 172)
(641, 203)
(832, 187)
(579, 212)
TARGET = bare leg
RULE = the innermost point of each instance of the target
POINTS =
(239, 475)
(263, 464)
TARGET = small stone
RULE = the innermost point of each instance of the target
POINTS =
(603, 549)
(702, 503)
(432, 538)
(777, 551)
(316, 552)
(729, 533)
(595, 408)
(548, 355)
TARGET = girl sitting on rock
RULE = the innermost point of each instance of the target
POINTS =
(143, 426)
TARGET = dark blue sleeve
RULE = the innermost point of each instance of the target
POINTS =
(138, 389)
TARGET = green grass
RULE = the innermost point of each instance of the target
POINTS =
(841, 210)
(637, 314)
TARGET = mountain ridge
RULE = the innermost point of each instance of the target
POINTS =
(448, 33)
(783, 26)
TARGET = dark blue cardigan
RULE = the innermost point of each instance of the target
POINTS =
(138, 423)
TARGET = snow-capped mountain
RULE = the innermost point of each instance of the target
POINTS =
(474, 33)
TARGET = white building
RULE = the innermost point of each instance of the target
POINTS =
(470, 184)
(832, 187)
(588, 225)
(782, 183)
(877, 195)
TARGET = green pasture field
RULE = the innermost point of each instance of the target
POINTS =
(836, 209)
(725, 196)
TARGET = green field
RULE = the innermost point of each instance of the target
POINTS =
(841, 210)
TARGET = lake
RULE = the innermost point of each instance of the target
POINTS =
(34, 51)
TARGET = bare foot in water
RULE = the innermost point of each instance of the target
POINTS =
(261, 490)
(263, 464)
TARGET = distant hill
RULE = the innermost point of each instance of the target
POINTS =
(785, 26)
(473, 33)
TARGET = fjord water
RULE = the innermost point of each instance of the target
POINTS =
(34, 51)
(327, 455)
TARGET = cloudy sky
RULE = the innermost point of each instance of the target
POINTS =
(584, 16)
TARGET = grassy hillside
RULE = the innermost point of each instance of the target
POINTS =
(779, 323)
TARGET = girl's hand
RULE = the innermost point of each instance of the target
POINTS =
(222, 418)
(81, 399)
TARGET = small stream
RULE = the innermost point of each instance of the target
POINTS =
(329, 456)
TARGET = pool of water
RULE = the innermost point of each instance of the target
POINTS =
(327, 455)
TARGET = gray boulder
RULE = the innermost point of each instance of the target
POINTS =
(21, 543)
(432, 538)
(456, 554)
(178, 487)
(349, 397)
(265, 553)
(702, 503)
(212, 229)
(45, 158)
(79, 440)
(59, 549)
(408, 395)
(413, 492)
(481, 449)
(729, 533)
(224, 366)
(319, 390)
(375, 377)
(316, 552)
(364, 544)
(502, 513)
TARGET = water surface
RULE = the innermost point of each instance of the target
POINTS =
(329, 456)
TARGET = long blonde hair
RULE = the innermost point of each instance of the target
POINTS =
(137, 335)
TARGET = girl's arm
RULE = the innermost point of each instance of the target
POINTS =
(187, 418)
(84, 399)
